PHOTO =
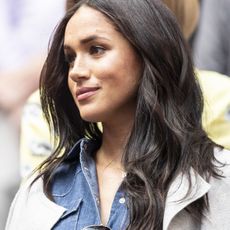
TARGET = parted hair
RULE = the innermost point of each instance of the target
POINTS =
(167, 138)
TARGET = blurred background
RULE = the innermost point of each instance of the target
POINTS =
(25, 30)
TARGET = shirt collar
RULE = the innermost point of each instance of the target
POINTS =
(85, 147)
(179, 197)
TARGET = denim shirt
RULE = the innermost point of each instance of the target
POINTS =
(75, 188)
(75, 192)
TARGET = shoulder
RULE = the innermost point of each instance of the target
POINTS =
(219, 195)
(223, 161)
(24, 215)
(220, 187)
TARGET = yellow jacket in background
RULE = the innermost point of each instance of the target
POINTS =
(36, 142)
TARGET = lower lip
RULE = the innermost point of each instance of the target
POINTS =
(85, 96)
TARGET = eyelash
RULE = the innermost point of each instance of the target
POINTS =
(93, 50)
(96, 50)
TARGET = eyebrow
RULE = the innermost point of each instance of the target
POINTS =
(92, 38)
(87, 40)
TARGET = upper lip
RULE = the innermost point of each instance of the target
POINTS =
(83, 90)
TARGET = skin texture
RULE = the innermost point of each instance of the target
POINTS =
(107, 63)
(105, 69)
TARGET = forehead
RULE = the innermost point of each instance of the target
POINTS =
(87, 21)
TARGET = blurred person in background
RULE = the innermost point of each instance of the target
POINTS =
(25, 28)
(212, 44)
(215, 86)
(36, 140)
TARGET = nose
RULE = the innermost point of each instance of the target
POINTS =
(79, 71)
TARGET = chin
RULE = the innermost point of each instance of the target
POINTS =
(94, 113)
(90, 117)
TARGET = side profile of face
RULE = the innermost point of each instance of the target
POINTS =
(104, 69)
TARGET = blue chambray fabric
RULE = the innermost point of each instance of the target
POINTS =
(75, 187)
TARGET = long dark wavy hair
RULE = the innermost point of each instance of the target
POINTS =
(167, 136)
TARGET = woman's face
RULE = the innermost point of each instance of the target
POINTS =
(104, 69)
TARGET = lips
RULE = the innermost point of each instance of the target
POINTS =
(85, 92)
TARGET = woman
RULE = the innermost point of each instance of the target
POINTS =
(126, 65)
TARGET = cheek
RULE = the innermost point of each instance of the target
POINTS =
(119, 66)
(120, 81)
(71, 85)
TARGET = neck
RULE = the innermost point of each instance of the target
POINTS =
(115, 137)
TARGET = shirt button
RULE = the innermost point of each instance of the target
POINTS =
(97, 200)
(122, 200)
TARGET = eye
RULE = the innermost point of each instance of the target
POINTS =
(96, 50)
